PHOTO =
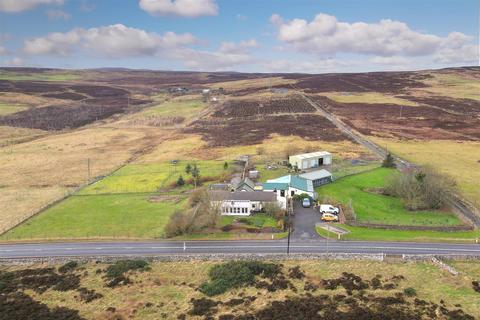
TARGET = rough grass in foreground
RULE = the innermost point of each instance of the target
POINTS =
(167, 290)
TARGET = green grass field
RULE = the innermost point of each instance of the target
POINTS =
(99, 216)
(381, 209)
(370, 234)
(174, 108)
(7, 108)
(152, 177)
(39, 76)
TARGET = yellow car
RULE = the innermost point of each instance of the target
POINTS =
(329, 217)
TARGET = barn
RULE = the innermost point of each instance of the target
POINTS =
(310, 160)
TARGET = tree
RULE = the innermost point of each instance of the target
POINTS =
(389, 161)
(180, 182)
(225, 165)
(195, 174)
(188, 168)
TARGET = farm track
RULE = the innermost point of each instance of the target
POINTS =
(463, 207)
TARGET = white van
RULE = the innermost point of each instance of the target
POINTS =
(328, 208)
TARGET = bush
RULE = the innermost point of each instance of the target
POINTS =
(273, 210)
(422, 189)
(120, 267)
(235, 274)
(202, 214)
(410, 292)
(69, 266)
(227, 228)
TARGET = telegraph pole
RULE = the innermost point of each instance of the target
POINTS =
(88, 166)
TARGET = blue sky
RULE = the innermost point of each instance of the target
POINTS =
(241, 35)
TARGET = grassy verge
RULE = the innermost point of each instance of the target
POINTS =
(376, 208)
(370, 234)
(8, 108)
(99, 216)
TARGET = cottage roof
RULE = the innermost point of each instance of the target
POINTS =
(218, 195)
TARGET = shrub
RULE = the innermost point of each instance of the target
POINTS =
(235, 274)
(273, 210)
(202, 214)
(69, 266)
(115, 273)
(410, 292)
(227, 228)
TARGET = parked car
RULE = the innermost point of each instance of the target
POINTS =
(328, 208)
(329, 217)
(306, 203)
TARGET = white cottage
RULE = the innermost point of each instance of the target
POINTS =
(241, 203)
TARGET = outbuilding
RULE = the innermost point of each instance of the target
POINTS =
(310, 160)
(318, 177)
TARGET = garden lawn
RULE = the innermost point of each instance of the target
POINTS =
(255, 220)
(99, 216)
(152, 177)
(380, 209)
(370, 234)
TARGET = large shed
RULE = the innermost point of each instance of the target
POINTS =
(310, 160)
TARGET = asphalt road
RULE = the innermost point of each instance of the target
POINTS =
(165, 248)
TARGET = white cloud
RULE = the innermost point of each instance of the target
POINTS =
(57, 15)
(24, 5)
(394, 60)
(55, 43)
(182, 8)
(114, 41)
(229, 56)
(325, 35)
(14, 62)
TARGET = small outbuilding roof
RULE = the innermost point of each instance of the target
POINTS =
(316, 175)
(310, 155)
(292, 181)
(218, 195)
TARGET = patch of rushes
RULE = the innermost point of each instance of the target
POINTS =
(381, 209)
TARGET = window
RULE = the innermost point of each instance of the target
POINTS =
(253, 205)
(282, 193)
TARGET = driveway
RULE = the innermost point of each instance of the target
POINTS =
(304, 223)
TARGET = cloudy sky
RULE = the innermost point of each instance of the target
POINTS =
(312, 36)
